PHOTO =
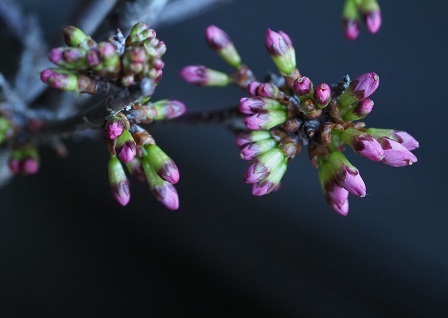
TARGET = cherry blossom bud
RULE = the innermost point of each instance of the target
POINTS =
(361, 110)
(219, 41)
(114, 127)
(263, 165)
(402, 137)
(161, 163)
(271, 182)
(251, 105)
(135, 168)
(74, 37)
(336, 195)
(139, 33)
(363, 143)
(162, 190)
(346, 175)
(118, 181)
(372, 15)
(246, 137)
(202, 76)
(359, 89)
(251, 150)
(269, 90)
(252, 88)
(168, 109)
(350, 17)
(302, 86)
(395, 154)
(351, 28)
(265, 120)
(282, 52)
(125, 147)
(93, 59)
(322, 95)
(341, 208)
(60, 79)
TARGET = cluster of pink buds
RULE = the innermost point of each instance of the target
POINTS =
(132, 148)
(24, 160)
(288, 112)
(371, 14)
(83, 63)
(86, 66)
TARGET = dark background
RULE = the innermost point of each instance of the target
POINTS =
(67, 249)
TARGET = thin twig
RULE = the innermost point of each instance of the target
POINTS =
(94, 117)
(228, 117)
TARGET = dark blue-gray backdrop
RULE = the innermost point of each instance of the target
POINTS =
(68, 250)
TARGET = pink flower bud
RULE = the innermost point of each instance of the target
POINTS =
(29, 166)
(246, 137)
(114, 128)
(282, 52)
(92, 58)
(216, 38)
(363, 143)
(263, 165)
(341, 208)
(251, 105)
(402, 137)
(14, 165)
(322, 95)
(118, 181)
(351, 28)
(56, 55)
(252, 88)
(368, 147)
(126, 152)
(373, 20)
(271, 182)
(277, 43)
(365, 85)
(265, 120)
(336, 194)
(395, 154)
(167, 109)
(350, 179)
(302, 86)
(202, 76)
(166, 193)
(125, 147)
(254, 149)
(268, 90)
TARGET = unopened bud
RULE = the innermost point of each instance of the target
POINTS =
(219, 41)
(361, 110)
(161, 163)
(118, 181)
(322, 95)
(282, 52)
(202, 76)
(125, 147)
(302, 86)
(265, 120)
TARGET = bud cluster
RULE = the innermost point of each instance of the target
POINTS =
(24, 160)
(353, 9)
(84, 66)
(84, 62)
(133, 148)
(284, 115)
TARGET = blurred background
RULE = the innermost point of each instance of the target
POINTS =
(69, 250)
